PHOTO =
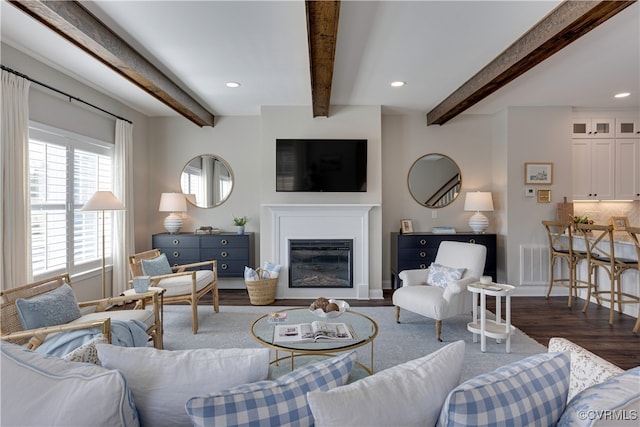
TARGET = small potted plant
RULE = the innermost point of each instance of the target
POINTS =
(240, 222)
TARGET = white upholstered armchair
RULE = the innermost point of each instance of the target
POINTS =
(441, 292)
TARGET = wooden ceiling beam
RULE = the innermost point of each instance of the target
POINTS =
(76, 24)
(562, 26)
(322, 33)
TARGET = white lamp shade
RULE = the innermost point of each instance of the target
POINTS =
(478, 201)
(103, 201)
(172, 202)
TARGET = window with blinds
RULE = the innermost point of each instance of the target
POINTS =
(65, 169)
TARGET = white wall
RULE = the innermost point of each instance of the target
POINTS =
(343, 122)
(533, 135)
(405, 138)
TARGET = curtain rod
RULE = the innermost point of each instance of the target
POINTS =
(75, 98)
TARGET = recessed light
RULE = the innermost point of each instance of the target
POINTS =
(398, 84)
(232, 84)
(621, 95)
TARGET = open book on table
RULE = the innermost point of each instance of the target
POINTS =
(312, 332)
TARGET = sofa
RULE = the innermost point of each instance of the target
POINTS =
(204, 387)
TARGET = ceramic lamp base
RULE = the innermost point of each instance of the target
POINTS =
(173, 223)
(478, 223)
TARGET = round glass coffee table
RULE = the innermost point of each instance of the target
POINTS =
(362, 327)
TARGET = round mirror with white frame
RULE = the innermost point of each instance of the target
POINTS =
(434, 180)
(206, 181)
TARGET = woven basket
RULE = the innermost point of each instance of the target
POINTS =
(263, 291)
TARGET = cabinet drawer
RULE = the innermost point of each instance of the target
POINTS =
(225, 241)
(413, 265)
(170, 241)
(417, 242)
(231, 268)
(221, 254)
(181, 255)
(418, 255)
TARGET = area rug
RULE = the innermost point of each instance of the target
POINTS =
(395, 343)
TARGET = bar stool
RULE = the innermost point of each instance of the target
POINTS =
(601, 254)
(633, 233)
(560, 235)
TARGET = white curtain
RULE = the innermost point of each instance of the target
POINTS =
(15, 224)
(124, 242)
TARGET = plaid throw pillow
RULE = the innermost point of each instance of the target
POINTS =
(532, 391)
(271, 403)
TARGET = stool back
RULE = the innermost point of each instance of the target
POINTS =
(594, 234)
(634, 233)
(560, 236)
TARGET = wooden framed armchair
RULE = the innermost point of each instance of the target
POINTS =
(11, 328)
(181, 285)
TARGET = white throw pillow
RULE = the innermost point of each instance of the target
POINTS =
(48, 391)
(440, 275)
(162, 381)
(410, 394)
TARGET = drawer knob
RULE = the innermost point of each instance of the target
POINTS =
(176, 254)
(224, 254)
(472, 240)
(423, 242)
(423, 254)
(423, 266)
(224, 242)
(175, 242)
(224, 266)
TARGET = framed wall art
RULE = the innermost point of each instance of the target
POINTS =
(538, 173)
(619, 222)
(544, 196)
(406, 226)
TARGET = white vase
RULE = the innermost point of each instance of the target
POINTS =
(240, 229)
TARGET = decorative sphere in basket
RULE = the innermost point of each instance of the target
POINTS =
(328, 308)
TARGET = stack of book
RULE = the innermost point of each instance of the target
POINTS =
(443, 230)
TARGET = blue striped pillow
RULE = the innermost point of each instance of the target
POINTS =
(532, 391)
(271, 403)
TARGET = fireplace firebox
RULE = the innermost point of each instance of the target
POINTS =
(321, 263)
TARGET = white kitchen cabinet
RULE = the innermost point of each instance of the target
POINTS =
(593, 163)
(593, 128)
(628, 127)
(627, 169)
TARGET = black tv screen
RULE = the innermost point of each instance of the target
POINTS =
(331, 165)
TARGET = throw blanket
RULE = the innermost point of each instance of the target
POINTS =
(129, 333)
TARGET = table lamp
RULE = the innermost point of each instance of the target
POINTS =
(103, 201)
(173, 202)
(478, 201)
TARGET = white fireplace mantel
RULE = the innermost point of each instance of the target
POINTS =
(319, 221)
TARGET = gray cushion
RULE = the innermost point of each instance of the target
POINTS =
(156, 266)
(55, 307)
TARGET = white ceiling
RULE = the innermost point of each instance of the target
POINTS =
(433, 46)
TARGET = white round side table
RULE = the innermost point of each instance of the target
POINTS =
(486, 327)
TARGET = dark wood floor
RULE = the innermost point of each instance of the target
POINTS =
(538, 317)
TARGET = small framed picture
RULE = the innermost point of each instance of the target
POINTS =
(538, 173)
(544, 196)
(406, 226)
(619, 222)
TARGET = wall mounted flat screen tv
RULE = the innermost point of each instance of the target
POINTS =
(325, 165)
